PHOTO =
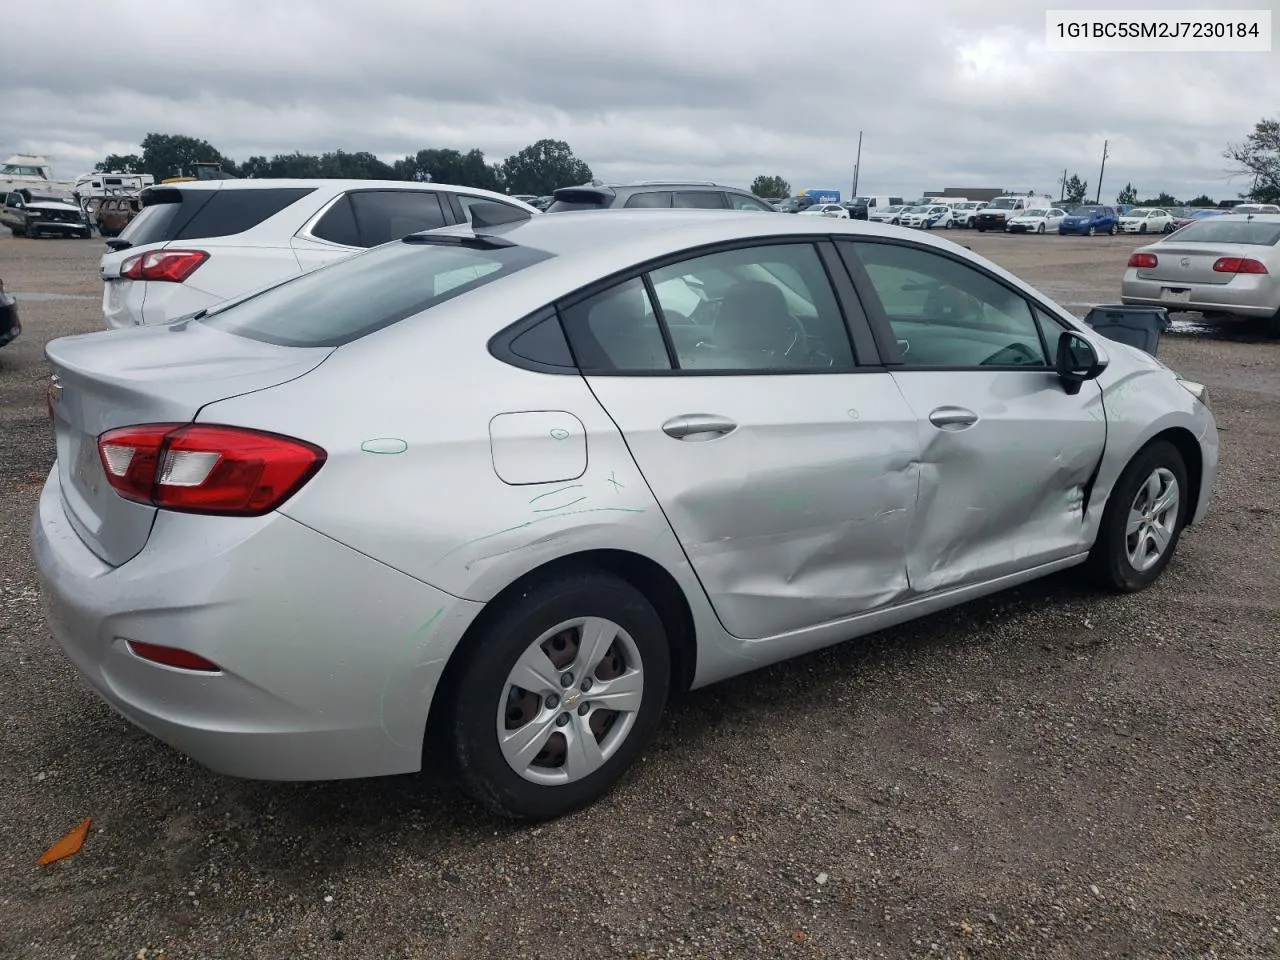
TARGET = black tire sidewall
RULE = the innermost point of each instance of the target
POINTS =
(472, 716)
(1110, 559)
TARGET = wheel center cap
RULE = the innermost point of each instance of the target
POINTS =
(571, 698)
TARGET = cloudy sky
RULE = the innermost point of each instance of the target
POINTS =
(947, 92)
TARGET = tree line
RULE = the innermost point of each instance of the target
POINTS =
(538, 169)
(543, 167)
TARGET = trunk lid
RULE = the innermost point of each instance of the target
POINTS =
(1184, 263)
(140, 375)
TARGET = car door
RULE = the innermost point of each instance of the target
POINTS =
(1007, 455)
(783, 458)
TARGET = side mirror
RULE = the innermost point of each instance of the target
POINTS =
(1077, 361)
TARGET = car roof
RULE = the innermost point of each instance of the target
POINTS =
(319, 182)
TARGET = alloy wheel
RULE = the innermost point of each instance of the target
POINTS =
(1153, 518)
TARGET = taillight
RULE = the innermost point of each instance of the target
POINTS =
(172, 656)
(1238, 265)
(205, 468)
(163, 266)
(1143, 260)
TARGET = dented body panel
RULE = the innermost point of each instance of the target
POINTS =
(799, 515)
(1005, 491)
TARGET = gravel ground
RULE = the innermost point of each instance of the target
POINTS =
(1047, 773)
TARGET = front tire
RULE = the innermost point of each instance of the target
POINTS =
(1040, 229)
(1112, 231)
(1093, 231)
(1143, 520)
(1142, 228)
(562, 691)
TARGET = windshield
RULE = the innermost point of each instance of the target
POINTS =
(1035, 213)
(352, 297)
(1140, 212)
(1230, 230)
(1002, 203)
(44, 199)
(1084, 211)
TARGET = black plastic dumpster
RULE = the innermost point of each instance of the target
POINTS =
(1137, 326)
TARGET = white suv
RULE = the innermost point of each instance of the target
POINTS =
(199, 243)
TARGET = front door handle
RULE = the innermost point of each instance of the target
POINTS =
(698, 427)
(953, 418)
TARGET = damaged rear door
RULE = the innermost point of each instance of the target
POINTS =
(786, 469)
(1006, 454)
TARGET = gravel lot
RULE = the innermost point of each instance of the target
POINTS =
(1047, 773)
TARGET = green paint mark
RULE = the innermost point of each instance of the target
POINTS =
(853, 414)
(414, 640)
(384, 445)
(559, 433)
(552, 493)
(614, 480)
(561, 507)
(529, 523)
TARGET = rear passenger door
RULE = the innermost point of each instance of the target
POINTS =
(783, 456)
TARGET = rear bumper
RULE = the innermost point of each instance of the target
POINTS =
(1244, 296)
(329, 659)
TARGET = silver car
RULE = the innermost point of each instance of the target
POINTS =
(506, 487)
(1225, 267)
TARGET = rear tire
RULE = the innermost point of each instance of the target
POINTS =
(1143, 520)
(538, 629)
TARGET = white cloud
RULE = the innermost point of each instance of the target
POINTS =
(948, 92)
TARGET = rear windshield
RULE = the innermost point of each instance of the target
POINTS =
(352, 297)
(1230, 230)
(169, 213)
(579, 200)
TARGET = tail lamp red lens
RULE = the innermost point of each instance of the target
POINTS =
(1145, 261)
(163, 266)
(207, 468)
(172, 656)
(1239, 265)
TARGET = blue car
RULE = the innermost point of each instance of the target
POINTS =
(1090, 219)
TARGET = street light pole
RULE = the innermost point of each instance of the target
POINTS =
(1098, 196)
(857, 164)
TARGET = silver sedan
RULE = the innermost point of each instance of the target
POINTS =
(507, 487)
(1225, 267)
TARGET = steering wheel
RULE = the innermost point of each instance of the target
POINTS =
(1021, 356)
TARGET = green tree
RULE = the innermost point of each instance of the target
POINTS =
(1163, 200)
(1074, 190)
(450, 166)
(763, 186)
(1258, 157)
(1127, 195)
(124, 163)
(1204, 200)
(175, 155)
(543, 167)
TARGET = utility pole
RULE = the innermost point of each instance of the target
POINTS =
(857, 164)
(1098, 196)
(1062, 194)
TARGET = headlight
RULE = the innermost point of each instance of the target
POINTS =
(1197, 390)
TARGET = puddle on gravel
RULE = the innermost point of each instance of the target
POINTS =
(50, 296)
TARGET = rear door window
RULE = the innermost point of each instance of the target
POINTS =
(386, 215)
(698, 199)
(174, 214)
(350, 298)
(651, 198)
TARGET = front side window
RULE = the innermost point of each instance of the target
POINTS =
(945, 313)
(740, 201)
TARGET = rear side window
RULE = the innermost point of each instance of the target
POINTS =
(699, 199)
(352, 297)
(338, 225)
(386, 215)
(172, 214)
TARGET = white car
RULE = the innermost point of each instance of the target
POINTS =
(196, 244)
(966, 214)
(1037, 220)
(827, 210)
(1146, 220)
(935, 215)
(890, 214)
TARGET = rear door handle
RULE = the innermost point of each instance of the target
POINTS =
(698, 427)
(953, 418)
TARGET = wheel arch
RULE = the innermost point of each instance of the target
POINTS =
(1184, 441)
(658, 586)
